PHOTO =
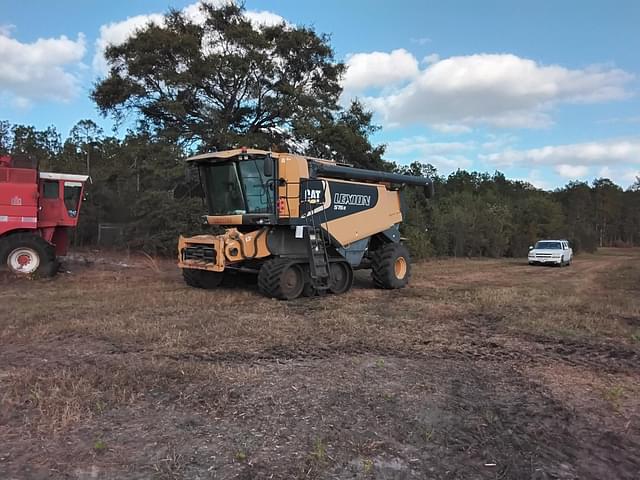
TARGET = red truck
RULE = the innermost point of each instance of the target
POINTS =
(37, 210)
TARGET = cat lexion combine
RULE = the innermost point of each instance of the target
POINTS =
(301, 224)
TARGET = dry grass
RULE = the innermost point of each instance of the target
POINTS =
(103, 341)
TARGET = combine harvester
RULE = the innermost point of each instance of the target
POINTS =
(302, 224)
(37, 210)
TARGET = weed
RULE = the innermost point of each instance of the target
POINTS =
(614, 395)
(240, 456)
(428, 435)
(319, 452)
(380, 363)
(367, 466)
(99, 446)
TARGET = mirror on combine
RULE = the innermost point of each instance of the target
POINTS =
(268, 166)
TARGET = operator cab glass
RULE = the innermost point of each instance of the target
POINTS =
(549, 246)
(72, 192)
(237, 187)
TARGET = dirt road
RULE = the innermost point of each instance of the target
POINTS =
(480, 369)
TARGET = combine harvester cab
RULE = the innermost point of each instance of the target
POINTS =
(37, 210)
(301, 224)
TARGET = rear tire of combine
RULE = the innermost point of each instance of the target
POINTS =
(391, 266)
(341, 277)
(27, 254)
(281, 278)
(202, 278)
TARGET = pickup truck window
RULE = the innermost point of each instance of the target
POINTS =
(549, 245)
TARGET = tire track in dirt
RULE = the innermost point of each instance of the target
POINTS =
(538, 350)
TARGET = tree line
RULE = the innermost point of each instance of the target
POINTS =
(143, 183)
(188, 85)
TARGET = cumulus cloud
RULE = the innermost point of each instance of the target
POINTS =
(572, 171)
(42, 70)
(379, 69)
(116, 33)
(501, 90)
(536, 178)
(450, 128)
(431, 58)
(446, 156)
(264, 17)
(612, 152)
(423, 146)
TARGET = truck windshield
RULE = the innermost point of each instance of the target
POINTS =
(236, 187)
(549, 245)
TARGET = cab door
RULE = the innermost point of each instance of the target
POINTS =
(50, 202)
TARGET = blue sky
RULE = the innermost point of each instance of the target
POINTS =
(544, 91)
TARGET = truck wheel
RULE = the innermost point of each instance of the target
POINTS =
(202, 278)
(391, 266)
(281, 278)
(341, 277)
(27, 254)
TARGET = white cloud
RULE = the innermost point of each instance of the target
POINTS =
(116, 33)
(630, 176)
(6, 29)
(536, 179)
(43, 70)
(422, 146)
(446, 156)
(578, 154)
(265, 18)
(379, 69)
(605, 172)
(431, 58)
(572, 171)
(501, 90)
(450, 128)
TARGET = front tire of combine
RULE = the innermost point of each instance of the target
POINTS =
(341, 277)
(202, 278)
(281, 278)
(391, 266)
(27, 254)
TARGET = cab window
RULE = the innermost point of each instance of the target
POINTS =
(51, 189)
(72, 192)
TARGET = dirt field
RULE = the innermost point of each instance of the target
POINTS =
(481, 369)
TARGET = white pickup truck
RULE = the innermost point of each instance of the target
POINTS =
(551, 252)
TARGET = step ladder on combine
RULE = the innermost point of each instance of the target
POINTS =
(319, 266)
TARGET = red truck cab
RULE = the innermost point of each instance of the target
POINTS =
(37, 210)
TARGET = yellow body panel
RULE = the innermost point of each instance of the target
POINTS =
(224, 219)
(291, 169)
(357, 226)
(231, 247)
